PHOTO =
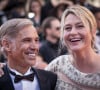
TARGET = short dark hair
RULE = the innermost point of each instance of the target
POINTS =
(47, 24)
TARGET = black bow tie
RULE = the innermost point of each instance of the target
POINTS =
(18, 78)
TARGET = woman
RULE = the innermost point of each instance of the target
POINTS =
(35, 8)
(34, 13)
(80, 70)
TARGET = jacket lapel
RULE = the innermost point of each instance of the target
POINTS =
(41, 79)
(6, 81)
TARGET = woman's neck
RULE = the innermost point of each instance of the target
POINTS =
(85, 61)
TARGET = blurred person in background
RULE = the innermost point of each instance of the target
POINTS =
(34, 13)
(3, 16)
(96, 13)
(15, 9)
(49, 48)
(59, 9)
(47, 9)
(85, 3)
(35, 8)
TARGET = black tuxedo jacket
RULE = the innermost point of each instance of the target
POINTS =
(47, 80)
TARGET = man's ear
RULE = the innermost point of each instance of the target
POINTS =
(6, 44)
(48, 31)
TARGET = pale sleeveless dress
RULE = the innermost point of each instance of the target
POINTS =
(70, 78)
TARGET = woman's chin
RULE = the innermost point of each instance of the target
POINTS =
(75, 48)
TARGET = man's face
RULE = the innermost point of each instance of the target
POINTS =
(3, 4)
(24, 48)
(97, 15)
(55, 29)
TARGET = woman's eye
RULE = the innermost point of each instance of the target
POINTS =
(67, 28)
(80, 26)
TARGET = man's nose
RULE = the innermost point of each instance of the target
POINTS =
(34, 45)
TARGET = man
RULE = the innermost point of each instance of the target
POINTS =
(20, 44)
(49, 49)
(97, 38)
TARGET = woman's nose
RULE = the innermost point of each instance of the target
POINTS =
(73, 31)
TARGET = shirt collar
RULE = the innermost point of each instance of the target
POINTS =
(29, 71)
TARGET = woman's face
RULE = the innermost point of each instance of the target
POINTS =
(35, 6)
(76, 35)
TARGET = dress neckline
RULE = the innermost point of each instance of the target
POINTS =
(85, 79)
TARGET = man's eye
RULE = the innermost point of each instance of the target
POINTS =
(37, 40)
(26, 40)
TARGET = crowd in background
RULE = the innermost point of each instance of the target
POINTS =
(46, 15)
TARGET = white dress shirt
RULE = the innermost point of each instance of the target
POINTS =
(25, 84)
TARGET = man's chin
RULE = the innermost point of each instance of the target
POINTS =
(32, 63)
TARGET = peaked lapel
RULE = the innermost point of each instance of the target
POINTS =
(42, 80)
(5, 80)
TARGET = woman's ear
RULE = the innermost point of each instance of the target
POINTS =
(94, 33)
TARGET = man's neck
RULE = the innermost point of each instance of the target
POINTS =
(53, 41)
(18, 73)
(21, 69)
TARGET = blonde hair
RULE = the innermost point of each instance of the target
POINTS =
(85, 15)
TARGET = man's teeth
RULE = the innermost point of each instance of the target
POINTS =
(72, 40)
(32, 54)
